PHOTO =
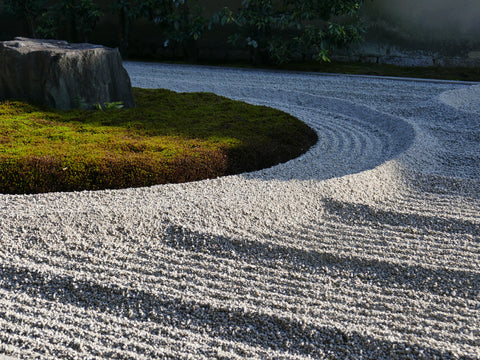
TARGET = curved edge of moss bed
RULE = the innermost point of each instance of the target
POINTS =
(167, 138)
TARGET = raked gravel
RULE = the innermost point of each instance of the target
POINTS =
(365, 247)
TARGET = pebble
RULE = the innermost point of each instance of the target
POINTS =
(365, 247)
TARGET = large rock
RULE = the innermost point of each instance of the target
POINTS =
(62, 75)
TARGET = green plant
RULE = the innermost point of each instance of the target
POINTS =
(130, 10)
(29, 11)
(47, 27)
(166, 138)
(45, 18)
(183, 24)
(82, 15)
(116, 105)
(288, 29)
(80, 102)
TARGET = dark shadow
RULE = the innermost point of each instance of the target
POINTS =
(361, 214)
(381, 272)
(445, 185)
(267, 331)
(393, 134)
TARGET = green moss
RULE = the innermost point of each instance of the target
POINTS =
(357, 68)
(168, 137)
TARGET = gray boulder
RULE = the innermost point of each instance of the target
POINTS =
(62, 75)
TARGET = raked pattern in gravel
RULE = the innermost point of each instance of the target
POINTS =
(365, 247)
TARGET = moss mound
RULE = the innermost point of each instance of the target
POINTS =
(168, 138)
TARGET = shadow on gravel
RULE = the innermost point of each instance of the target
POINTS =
(220, 321)
(365, 215)
(434, 184)
(340, 150)
(383, 273)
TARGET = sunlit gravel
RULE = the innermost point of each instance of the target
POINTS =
(365, 247)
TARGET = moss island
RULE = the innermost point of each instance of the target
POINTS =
(167, 138)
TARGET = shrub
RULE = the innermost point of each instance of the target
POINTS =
(287, 29)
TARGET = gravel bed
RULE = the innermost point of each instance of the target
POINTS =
(365, 247)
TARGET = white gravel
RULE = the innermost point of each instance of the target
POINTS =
(465, 99)
(366, 247)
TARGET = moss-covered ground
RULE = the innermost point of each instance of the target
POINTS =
(428, 72)
(167, 138)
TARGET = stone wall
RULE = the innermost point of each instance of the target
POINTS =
(420, 32)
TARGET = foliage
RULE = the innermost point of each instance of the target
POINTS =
(127, 11)
(130, 10)
(277, 31)
(83, 15)
(183, 24)
(167, 137)
(28, 10)
(282, 30)
(117, 105)
(181, 21)
(45, 18)
(80, 102)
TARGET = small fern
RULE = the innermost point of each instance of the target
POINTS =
(116, 105)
